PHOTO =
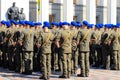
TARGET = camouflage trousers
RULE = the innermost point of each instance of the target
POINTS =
(28, 60)
(84, 63)
(46, 64)
(66, 64)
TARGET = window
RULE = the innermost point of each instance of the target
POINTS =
(75, 18)
(74, 1)
(51, 18)
(51, 1)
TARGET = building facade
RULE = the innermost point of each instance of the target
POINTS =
(102, 11)
(95, 11)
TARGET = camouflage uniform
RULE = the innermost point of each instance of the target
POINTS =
(74, 52)
(45, 41)
(83, 38)
(65, 37)
(114, 37)
(27, 38)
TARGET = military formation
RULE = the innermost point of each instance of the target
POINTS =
(27, 47)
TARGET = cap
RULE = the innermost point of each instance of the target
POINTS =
(85, 23)
(21, 22)
(46, 24)
(37, 23)
(73, 23)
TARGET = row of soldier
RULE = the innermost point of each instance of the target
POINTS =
(27, 46)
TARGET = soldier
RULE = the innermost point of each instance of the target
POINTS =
(26, 40)
(5, 44)
(65, 37)
(79, 25)
(96, 54)
(37, 51)
(83, 38)
(44, 42)
(18, 52)
(74, 59)
(59, 29)
(2, 35)
(106, 50)
(114, 40)
(54, 49)
(11, 44)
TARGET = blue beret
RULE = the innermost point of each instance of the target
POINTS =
(2, 22)
(8, 24)
(46, 24)
(118, 24)
(73, 23)
(60, 24)
(54, 23)
(85, 23)
(101, 25)
(79, 24)
(97, 26)
(14, 22)
(90, 25)
(31, 24)
(27, 22)
(111, 26)
(21, 22)
(38, 24)
(65, 23)
(108, 25)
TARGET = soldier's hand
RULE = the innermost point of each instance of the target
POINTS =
(109, 42)
(77, 43)
(20, 42)
(57, 44)
(99, 42)
(38, 45)
(14, 43)
(5, 39)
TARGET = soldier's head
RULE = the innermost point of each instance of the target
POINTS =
(14, 4)
(107, 27)
(27, 24)
(46, 26)
(73, 25)
(2, 23)
(65, 25)
(38, 25)
(8, 24)
(32, 26)
(60, 24)
(90, 26)
(13, 23)
(85, 24)
(79, 25)
(21, 24)
(54, 25)
(116, 27)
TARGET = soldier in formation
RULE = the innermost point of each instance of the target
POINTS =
(27, 46)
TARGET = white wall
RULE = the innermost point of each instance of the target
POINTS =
(5, 4)
(58, 1)
(0, 9)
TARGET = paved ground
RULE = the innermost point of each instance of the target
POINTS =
(95, 74)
